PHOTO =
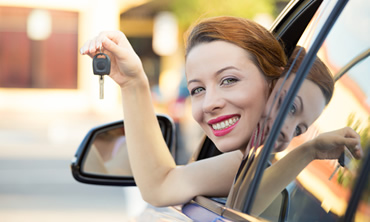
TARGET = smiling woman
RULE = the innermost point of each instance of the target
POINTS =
(214, 45)
(254, 60)
(215, 93)
(308, 104)
(231, 66)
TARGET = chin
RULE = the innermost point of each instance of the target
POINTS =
(225, 146)
(279, 147)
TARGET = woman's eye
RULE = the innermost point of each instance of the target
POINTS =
(228, 81)
(293, 109)
(196, 90)
(298, 131)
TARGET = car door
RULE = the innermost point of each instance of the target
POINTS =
(301, 201)
(319, 193)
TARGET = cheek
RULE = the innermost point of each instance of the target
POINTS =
(196, 111)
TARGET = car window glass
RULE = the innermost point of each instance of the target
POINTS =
(313, 195)
(238, 195)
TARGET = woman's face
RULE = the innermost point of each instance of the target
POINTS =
(306, 108)
(228, 93)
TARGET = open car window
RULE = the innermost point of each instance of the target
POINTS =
(319, 193)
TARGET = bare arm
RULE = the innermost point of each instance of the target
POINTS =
(160, 181)
(326, 146)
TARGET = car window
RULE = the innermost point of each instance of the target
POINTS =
(319, 193)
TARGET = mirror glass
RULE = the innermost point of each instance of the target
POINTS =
(107, 154)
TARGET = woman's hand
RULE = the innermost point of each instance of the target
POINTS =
(126, 67)
(331, 145)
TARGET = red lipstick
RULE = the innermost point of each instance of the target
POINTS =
(223, 132)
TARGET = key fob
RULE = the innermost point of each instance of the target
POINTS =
(341, 160)
(101, 64)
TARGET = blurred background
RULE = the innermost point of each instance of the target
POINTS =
(49, 97)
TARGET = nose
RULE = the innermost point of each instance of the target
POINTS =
(287, 131)
(212, 101)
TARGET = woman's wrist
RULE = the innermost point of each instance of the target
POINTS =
(308, 150)
(141, 82)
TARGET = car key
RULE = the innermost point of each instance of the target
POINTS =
(343, 161)
(101, 66)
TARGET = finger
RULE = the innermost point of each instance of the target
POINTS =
(119, 38)
(110, 45)
(349, 132)
(88, 48)
(92, 47)
(357, 151)
(354, 147)
(84, 48)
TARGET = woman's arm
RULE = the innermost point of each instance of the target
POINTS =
(160, 181)
(326, 146)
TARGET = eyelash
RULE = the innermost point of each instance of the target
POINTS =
(230, 81)
(233, 80)
(293, 109)
(298, 130)
(193, 92)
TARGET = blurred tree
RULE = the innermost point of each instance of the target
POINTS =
(189, 11)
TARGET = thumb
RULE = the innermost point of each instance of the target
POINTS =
(354, 146)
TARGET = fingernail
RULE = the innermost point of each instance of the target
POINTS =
(104, 39)
(84, 49)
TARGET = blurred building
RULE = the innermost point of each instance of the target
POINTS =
(42, 70)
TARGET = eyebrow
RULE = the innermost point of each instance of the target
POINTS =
(216, 74)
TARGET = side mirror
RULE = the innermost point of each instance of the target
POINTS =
(102, 156)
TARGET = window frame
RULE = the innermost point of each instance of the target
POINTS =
(246, 201)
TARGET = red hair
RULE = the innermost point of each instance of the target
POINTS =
(319, 72)
(267, 53)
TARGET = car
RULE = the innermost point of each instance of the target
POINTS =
(338, 33)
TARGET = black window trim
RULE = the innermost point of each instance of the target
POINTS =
(287, 102)
(359, 187)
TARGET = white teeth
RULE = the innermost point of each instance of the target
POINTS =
(225, 124)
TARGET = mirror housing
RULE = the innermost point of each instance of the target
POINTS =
(102, 178)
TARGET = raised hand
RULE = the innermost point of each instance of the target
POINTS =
(331, 145)
(126, 67)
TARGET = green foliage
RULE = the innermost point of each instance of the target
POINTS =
(347, 177)
(189, 11)
(364, 133)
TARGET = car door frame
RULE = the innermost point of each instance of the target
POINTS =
(246, 201)
(289, 17)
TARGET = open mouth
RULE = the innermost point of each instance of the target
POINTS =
(225, 124)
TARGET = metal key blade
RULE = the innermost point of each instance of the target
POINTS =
(336, 169)
(101, 87)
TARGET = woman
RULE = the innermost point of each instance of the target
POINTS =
(314, 94)
(295, 123)
(230, 67)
